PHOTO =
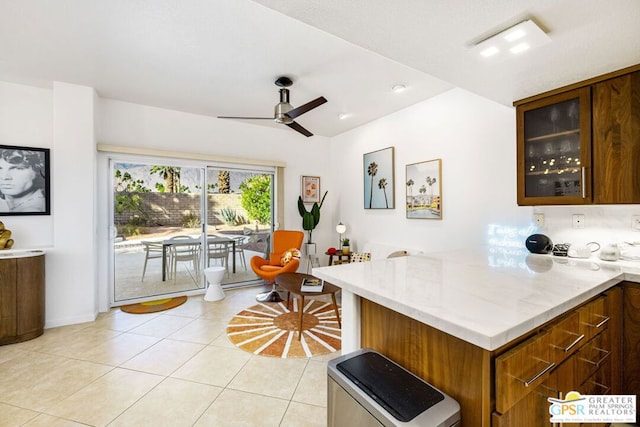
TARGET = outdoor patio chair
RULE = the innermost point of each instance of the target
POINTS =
(184, 252)
(219, 251)
(152, 250)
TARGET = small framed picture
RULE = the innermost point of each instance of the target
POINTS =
(24, 181)
(424, 190)
(310, 189)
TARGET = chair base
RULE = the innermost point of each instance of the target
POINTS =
(271, 296)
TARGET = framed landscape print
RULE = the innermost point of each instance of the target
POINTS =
(424, 190)
(378, 178)
(24, 181)
(310, 189)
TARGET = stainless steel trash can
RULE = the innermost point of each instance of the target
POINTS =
(367, 389)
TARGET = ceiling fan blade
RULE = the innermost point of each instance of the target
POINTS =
(246, 118)
(306, 107)
(297, 127)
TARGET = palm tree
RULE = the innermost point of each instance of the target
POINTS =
(423, 190)
(224, 181)
(382, 184)
(372, 170)
(410, 186)
(170, 175)
(430, 182)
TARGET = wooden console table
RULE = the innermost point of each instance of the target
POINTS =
(21, 295)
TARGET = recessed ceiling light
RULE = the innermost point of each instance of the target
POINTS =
(524, 36)
(514, 35)
(519, 48)
(490, 51)
(398, 88)
(343, 116)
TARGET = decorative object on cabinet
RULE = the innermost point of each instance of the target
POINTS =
(24, 181)
(379, 180)
(578, 145)
(6, 242)
(426, 177)
(310, 219)
(310, 189)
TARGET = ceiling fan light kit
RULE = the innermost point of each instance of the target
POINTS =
(284, 112)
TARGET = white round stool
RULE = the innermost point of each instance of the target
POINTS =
(214, 276)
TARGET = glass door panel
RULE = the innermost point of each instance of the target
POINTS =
(157, 217)
(239, 220)
(554, 153)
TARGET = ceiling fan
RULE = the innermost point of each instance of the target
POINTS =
(284, 112)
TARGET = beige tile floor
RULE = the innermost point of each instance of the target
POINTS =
(174, 368)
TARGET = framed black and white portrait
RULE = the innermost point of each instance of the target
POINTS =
(24, 181)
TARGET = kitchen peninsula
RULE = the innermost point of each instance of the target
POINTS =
(489, 328)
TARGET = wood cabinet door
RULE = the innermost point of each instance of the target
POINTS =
(616, 140)
(7, 298)
(554, 149)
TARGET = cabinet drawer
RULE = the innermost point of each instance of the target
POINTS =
(521, 370)
(566, 337)
(592, 356)
(593, 318)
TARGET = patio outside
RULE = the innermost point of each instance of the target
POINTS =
(238, 215)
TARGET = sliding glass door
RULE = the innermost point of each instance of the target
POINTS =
(157, 211)
(162, 244)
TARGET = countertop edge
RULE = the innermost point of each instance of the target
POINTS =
(483, 341)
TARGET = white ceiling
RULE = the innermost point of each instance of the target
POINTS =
(220, 57)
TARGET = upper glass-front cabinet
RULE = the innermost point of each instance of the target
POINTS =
(554, 149)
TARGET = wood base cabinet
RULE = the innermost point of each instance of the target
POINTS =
(22, 298)
(580, 350)
(631, 346)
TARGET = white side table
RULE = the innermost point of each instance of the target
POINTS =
(214, 277)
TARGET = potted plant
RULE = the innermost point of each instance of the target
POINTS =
(310, 219)
(345, 246)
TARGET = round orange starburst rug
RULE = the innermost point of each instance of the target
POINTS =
(271, 329)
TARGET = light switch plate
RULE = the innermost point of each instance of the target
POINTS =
(538, 219)
(578, 220)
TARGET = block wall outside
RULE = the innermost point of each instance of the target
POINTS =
(171, 209)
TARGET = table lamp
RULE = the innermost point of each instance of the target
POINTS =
(341, 228)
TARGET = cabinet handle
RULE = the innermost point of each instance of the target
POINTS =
(533, 379)
(584, 181)
(602, 359)
(604, 320)
(570, 346)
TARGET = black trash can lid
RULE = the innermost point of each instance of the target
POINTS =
(399, 392)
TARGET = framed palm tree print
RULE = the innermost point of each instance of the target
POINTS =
(379, 183)
(424, 190)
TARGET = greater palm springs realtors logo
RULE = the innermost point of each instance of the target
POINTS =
(576, 408)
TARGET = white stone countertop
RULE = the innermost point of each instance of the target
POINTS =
(482, 297)
(20, 253)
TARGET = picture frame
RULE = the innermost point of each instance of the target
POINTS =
(310, 189)
(378, 177)
(427, 176)
(25, 187)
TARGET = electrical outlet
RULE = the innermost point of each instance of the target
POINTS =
(538, 218)
(635, 222)
(578, 220)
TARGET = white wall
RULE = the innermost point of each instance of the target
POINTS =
(26, 119)
(474, 137)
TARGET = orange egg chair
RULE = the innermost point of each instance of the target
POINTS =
(280, 261)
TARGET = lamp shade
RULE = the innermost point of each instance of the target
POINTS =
(341, 228)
